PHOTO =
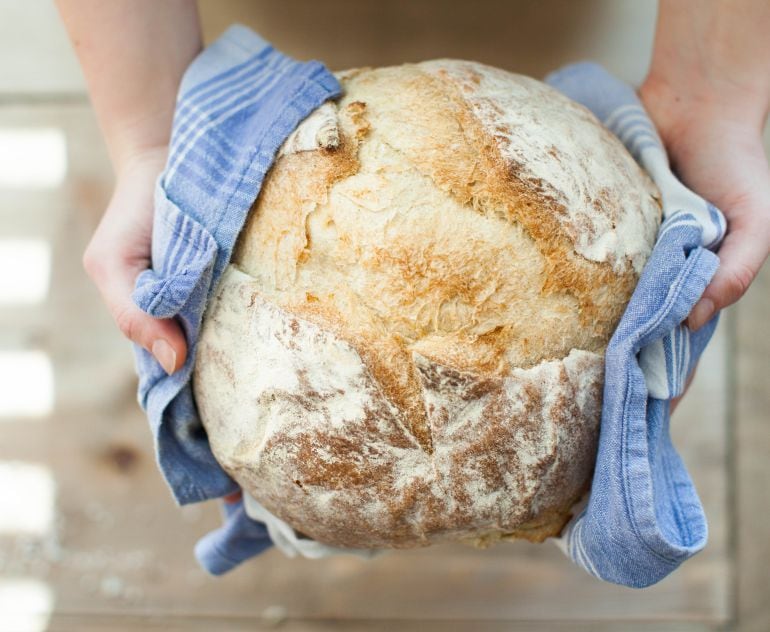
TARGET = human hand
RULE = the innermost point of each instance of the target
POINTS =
(718, 154)
(120, 249)
(708, 93)
(717, 151)
(133, 97)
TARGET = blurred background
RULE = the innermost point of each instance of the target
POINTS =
(90, 538)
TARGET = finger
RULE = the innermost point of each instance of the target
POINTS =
(163, 338)
(741, 256)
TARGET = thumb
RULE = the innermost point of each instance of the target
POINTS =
(162, 337)
(741, 256)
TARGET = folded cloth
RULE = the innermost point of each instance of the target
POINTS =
(239, 100)
(238, 539)
(643, 517)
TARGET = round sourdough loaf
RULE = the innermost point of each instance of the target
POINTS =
(407, 346)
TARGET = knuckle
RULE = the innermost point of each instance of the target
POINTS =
(92, 263)
(125, 319)
(739, 280)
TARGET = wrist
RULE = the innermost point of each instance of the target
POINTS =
(711, 57)
(734, 101)
(140, 161)
(676, 108)
(133, 138)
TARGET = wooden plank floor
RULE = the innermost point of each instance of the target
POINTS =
(116, 553)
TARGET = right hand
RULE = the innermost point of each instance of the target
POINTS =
(119, 251)
(716, 149)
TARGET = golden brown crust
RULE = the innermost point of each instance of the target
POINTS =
(327, 451)
(448, 276)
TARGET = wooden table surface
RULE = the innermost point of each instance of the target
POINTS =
(105, 547)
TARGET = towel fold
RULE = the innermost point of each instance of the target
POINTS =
(643, 517)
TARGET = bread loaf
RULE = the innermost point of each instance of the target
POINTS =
(406, 347)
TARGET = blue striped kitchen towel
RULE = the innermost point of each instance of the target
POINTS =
(643, 517)
(238, 102)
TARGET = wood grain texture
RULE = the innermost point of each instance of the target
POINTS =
(131, 623)
(752, 455)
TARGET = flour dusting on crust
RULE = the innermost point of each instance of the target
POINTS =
(407, 346)
(354, 476)
(609, 203)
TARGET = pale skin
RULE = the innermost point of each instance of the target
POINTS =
(133, 54)
(707, 90)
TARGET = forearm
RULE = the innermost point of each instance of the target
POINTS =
(708, 93)
(133, 54)
(715, 53)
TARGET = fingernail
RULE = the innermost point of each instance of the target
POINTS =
(164, 354)
(701, 313)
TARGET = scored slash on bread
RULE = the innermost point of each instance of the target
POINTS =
(407, 345)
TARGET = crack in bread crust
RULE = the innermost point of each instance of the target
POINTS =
(331, 455)
(407, 345)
